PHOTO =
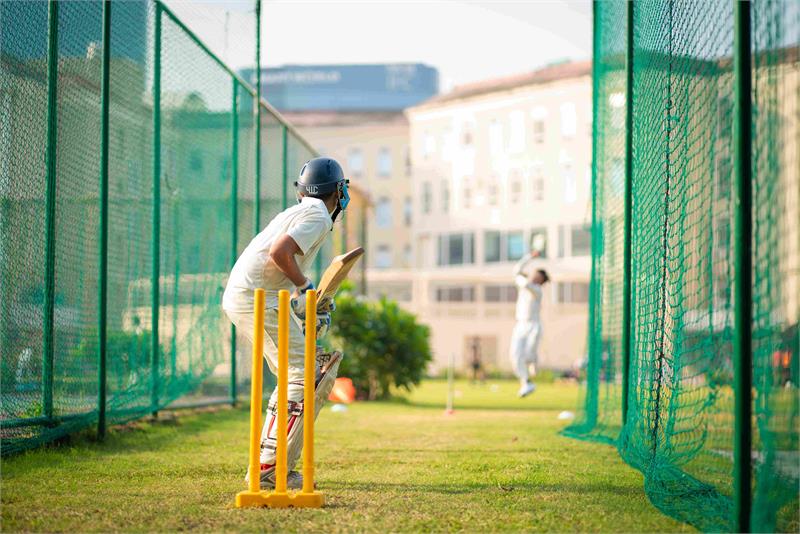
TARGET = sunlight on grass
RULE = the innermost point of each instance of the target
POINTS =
(497, 464)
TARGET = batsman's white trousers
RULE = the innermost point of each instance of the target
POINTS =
(524, 347)
(244, 326)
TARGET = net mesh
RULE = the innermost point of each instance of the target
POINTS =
(681, 419)
(196, 226)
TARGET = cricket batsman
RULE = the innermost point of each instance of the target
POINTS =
(278, 258)
(524, 348)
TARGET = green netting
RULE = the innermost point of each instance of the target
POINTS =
(601, 418)
(681, 415)
(204, 215)
(776, 264)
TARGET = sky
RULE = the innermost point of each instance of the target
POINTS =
(466, 41)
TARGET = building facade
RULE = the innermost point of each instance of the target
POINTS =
(496, 166)
(354, 113)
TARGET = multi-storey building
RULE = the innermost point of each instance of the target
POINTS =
(354, 113)
(496, 164)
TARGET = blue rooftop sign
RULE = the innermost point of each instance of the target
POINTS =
(391, 87)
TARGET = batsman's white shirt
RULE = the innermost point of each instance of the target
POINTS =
(308, 223)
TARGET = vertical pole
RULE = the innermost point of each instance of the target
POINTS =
(308, 391)
(156, 237)
(363, 221)
(234, 217)
(594, 355)
(105, 100)
(257, 118)
(627, 258)
(50, 209)
(285, 167)
(742, 294)
(283, 391)
(256, 391)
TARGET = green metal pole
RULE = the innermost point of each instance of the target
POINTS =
(50, 209)
(156, 237)
(257, 117)
(594, 355)
(627, 257)
(102, 315)
(234, 217)
(285, 167)
(742, 294)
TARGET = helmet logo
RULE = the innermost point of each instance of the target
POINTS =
(312, 189)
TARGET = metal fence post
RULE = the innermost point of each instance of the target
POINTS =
(156, 237)
(628, 236)
(285, 168)
(234, 217)
(593, 355)
(102, 314)
(50, 210)
(742, 293)
(257, 118)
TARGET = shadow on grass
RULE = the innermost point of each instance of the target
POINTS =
(472, 407)
(560, 487)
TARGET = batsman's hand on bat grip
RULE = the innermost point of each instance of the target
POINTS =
(323, 324)
(299, 299)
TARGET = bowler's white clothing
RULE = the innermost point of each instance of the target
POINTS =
(308, 223)
(524, 346)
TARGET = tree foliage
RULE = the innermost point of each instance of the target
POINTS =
(383, 345)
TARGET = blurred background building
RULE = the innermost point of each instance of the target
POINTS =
(459, 184)
(495, 164)
(354, 113)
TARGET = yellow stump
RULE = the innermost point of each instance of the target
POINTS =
(280, 498)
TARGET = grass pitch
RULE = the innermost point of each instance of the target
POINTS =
(497, 464)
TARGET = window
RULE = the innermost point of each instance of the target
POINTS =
(500, 293)
(455, 294)
(515, 178)
(355, 162)
(428, 146)
(539, 241)
(407, 257)
(492, 193)
(581, 241)
(383, 213)
(503, 246)
(407, 211)
(196, 160)
(572, 292)
(569, 120)
(467, 196)
(408, 161)
(537, 182)
(562, 241)
(515, 246)
(383, 257)
(570, 183)
(538, 116)
(467, 136)
(516, 141)
(495, 137)
(455, 249)
(426, 197)
(491, 246)
(445, 196)
(538, 131)
(384, 162)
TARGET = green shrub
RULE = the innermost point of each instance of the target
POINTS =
(383, 345)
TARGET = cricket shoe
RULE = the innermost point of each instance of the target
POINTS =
(526, 390)
(294, 480)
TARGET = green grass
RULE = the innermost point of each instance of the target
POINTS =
(497, 464)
